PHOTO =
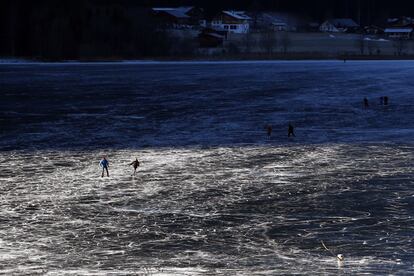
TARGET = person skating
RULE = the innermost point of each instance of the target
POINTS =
(385, 100)
(135, 164)
(366, 104)
(104, 165)
(269, 130)
(291, 131)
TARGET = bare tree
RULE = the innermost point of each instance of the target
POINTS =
(248, 42)
(361, 44)
(255, 9)
(400, 46)
(371, 45)
(286, 42)
(268, 41)
(411, 47)
(183, 45)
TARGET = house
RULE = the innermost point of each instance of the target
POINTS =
(339, 25)
(209, 38)
(274, 21)
(232, 22)
(279, 26)
(373, 30)
(399, 32)
(312, 27)
(402, 21)
(180, 17)
(400, 28)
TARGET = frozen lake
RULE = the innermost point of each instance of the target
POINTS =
(213, 195)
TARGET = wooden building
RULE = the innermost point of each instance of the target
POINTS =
(232, 22)
(399, 32)
(339, 25)
(180, 17)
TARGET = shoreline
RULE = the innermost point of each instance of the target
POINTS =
(238, 58)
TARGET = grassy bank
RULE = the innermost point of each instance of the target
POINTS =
(283, 46)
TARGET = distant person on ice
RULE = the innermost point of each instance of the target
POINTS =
(385, 100)
(104, 165)
(135, 164)
(381, 100)
(269, 131)
(366, 104)
(291, 131)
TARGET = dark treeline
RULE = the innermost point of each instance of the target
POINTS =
(368, 11)
(77, 29)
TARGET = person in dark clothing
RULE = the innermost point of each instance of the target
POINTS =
(381, 100)
(366, 104)
(385, 100)
(291, 131)
(135, 164)
(104, 165)
(269, 130)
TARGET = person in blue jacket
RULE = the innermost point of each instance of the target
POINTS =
(104, 165)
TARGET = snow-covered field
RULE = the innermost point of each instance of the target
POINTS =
(213, 195)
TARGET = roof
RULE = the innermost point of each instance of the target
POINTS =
(373, 27)
(392, 20)
(215, 35)
(400, 19)
(177, 14)
(343, 22)
(237, 14)
(163, 9)
(270, 18)
(180, 12)
(398, 30)
(186, 9)
(279, 24)
(183, 9)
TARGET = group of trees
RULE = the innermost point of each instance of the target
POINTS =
(79, 30)
(367, 46)
(268, 42)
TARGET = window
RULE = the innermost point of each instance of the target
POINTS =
(226, 27)
(233, 27)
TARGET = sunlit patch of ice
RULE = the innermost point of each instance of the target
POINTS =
(223, 207)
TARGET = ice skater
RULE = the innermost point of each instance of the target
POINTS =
(104, 165)
(366, 104)
(269, 130)
(291, 131)
(385, 100)
(381, 100)
(135, 164)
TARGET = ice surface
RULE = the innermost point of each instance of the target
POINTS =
(212, 195)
